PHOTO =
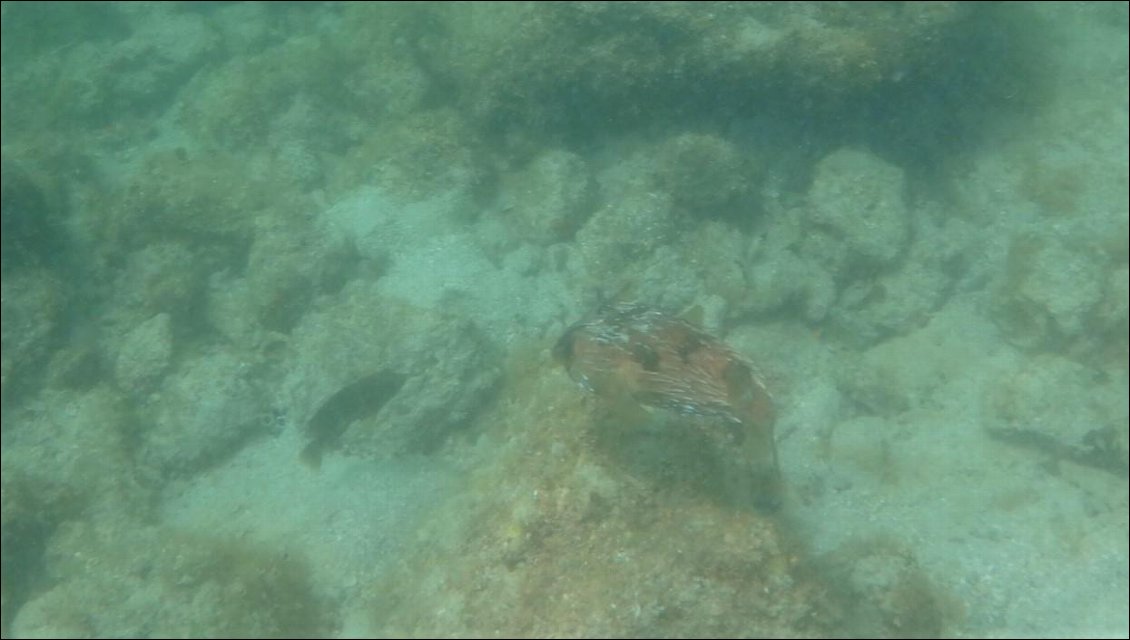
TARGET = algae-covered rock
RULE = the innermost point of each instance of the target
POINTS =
(70, 457)
(75, 454)
(780, 280)
(36, 262)
(114, 63)
(634, 220)
(121, 578)
(288, 265)
(903, 373)
(888, 593)
(30, 509)
(611, 531)
(444, 368)
(848, 257)
(234, 105)
(427, 152)
(210, 198)
(145, 354)
(1114, 317)
(551, 197)
(30, 232)
(166, 47)
(856, 201)
(34, 304)
(708, 175)
(203, 412)
(1049, 292)
(893, 264)
(545, 68)
(1064, 411)
(163, 277)
(893, 303)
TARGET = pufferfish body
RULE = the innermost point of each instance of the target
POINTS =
(660, 361)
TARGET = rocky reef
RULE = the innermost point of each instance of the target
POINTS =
(238, 237)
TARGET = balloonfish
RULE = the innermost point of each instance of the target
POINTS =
(660, 361)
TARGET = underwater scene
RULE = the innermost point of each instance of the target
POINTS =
(565, 319)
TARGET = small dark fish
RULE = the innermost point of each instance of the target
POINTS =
(356, 400)
(660, 361)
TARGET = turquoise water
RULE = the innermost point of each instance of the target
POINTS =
(234, 233)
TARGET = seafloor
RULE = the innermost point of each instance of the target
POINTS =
(281, 284)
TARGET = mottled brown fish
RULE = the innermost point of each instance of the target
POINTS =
(660, 361)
